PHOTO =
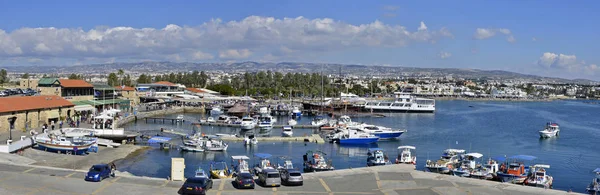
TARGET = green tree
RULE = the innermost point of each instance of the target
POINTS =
(143, 79)
(3, 76)
(127, 80)
(25, 76)
(120, 73)
(113, 79)
(75, 76)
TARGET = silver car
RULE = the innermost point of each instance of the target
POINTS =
(291, 177)
(269, 177)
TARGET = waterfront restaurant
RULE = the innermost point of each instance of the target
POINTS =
(160, 89)
(26, 112)
(69, 89)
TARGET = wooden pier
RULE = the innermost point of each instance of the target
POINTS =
(315, 138)
(237, 125)
(159, 119)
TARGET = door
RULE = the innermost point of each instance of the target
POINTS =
(177, 168)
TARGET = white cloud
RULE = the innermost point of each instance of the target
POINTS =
(235, 54)
(570, 63)
(444, 55)
(485, 33)
(255, 33)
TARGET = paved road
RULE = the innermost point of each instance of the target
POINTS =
(390, 180)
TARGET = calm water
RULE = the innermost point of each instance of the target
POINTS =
(490, 128)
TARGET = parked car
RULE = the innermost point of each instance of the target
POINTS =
(98, 173)
(244, 180)
(269, 177)
(291, 177)
(2, 94)
(196, 185)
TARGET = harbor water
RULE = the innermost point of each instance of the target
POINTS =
(490, 128)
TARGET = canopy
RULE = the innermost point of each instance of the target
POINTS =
(454, 151)
(474, 154)
(84, 107)
(499, 158)
(240, 158)
(597, 170)
(375, 149)
(541, 166)
(523, 157)
(158, 139)
(262, 155)
(407, 147)
(103, 117)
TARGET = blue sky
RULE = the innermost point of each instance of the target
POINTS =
(549, 38)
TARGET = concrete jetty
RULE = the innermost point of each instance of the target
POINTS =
(312, 138)
(389, 180)
(238, 125)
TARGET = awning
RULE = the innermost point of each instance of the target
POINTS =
(84, 107)
(53, 114)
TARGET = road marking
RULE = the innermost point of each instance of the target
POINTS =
(116, 179)
(70, 174)
(28, 170)
(104, 186)
(221, 186)
(324, 185)
(165, 184)
(377, 180)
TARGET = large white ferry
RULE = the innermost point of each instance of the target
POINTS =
(403, 102)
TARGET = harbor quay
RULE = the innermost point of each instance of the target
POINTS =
(390, 180)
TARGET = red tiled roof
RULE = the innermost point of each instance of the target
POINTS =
(195, 90)
(74, 83)
(22, 103)
(126, 88)
(165, 83)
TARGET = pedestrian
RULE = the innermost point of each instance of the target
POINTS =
(113, 168)
(77, 122)
(52, 125)
(60, 124)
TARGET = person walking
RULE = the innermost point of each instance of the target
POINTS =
(52, 125)
(60, 124)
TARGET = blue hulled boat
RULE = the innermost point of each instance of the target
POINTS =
(355, 137)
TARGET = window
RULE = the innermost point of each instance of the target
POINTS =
(273, 175)
(295, 174)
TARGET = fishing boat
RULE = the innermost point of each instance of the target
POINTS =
(467, 165)
(594, 187)
(240, 164)
(314, 161)
(446, 161)
(250, 140)
(376, 157)
(219, 170)
(403, 102)
(319, 121)
(190, 148)
(248, 123)
(539, 177)
(292, 122)
(405, 155)
(514, 169)
(354, 137)
(379, 131)
(486, 171)
(71, 142)
(287, 131)
(551, 130)
(287, 163)
(223, 119)
(213, 144)
(200, 173)
(296, 112)
(264, 162)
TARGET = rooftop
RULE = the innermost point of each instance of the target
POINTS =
(22, 103)
(124, 88)
(74, 83)
(165, 83)
(195, 90)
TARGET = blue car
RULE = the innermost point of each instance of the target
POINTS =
(98, 173)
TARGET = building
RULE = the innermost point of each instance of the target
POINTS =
(69, 89)
(128, 93)
(161, 88)
(25, 112)
(28, 83)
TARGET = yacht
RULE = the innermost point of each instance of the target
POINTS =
(351, 136)
(266, 121)
(551, 130)
(223, 119)
(446, 162)
(287, 131)
(405, 155)
(319, 121)
(403, 102)
(379, 131)
(248, 123)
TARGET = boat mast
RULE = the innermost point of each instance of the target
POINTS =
(322, 103)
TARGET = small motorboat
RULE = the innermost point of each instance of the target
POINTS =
(264, 162)
(250, 140)
(486, 171)
(211, 120)
(319, 121)
(376, 157)
(248, 123)
(296, 112)
(314, 161)
(219, 170)
(76, 142)
(405, 155)
(240, 163)
(180, 117)
(446, 161)
(551, 130)
(594, 187)
(292, 122)
(514, 170)
(187, 148)
(379, 131)
(223, 119)
(539, 177)
(216, 110)
(214, 144)
(467, 165)
(200, 173)
(287, 163)
(287, 131)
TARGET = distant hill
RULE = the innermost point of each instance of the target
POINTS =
(358, 70)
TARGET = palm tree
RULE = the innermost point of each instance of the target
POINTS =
(121, 73)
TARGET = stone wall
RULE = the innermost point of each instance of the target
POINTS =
(50, 91)
(30, 118)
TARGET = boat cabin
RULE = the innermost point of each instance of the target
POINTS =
(200, 173)
(377, 155)
(240, 163)
(223, 119)
(515, 169)
(405, 155)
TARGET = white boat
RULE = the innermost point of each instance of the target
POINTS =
(403, 102)
(405, 155)
(352, 99)
(287, 164)
(379, 131)
(296, 112)
(594, 186)
(240, 164)
(467, 165)
(264, 162)
(216, 110)
(223, 119)
(180, 117)
(539, 177)
(376, 157)
(319, 121)
(266, 121)
(248, 123)
(200, 173)
(287, 131)
(212, 144)
(210, 119)
(69, 142)
(446, 161)
(486, 170)
(292, 122)
(191, 148)
(551, 130)
(250, 140)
